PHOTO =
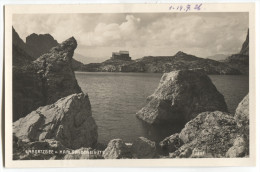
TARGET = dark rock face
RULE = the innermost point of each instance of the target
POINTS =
(245, 47)
(181, 96)
(240, 61)
(44, 80)
(162, 64)
(40, 44)
(21, 54)
(143, 148)
(68, 121)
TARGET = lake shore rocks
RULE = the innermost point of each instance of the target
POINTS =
(117, 149)
(212, 134)
(171, 143)
(181, 96)
(143, 148)
(68, 121)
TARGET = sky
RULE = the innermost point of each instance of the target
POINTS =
(142, 34)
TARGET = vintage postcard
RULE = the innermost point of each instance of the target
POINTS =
(132, 85)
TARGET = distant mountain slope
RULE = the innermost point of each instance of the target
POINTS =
(40, 44)
(162, 64)
(218, 57)
(240, 61)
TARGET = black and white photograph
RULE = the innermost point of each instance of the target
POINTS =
(131, 85)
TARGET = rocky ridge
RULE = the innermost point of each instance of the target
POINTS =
(162, 64)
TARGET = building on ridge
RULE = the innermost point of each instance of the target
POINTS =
(121, 55)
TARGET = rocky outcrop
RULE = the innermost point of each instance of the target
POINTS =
(45, 80)
(212, 134)
(68, 121)
(162, 64)
(171, 143)
(180, 97)
(240, 61)
(56, 71)
(245, 47)
(242, 119)
(116, 149)
(143, 148)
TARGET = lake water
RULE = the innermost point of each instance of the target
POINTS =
(116, 97)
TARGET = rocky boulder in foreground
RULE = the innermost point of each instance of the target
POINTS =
(181, 96)
(240, 147)
(143, 148)
(116, 149)
(68, 121)
(212, 134)
(44, 80)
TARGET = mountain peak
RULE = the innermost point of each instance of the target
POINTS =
(180, 53)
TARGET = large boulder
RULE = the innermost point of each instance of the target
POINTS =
(181, 96)
(116, 149)
(68, 121)
(45, 80)
(210, 132)
(143, 148)
(212, 135)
